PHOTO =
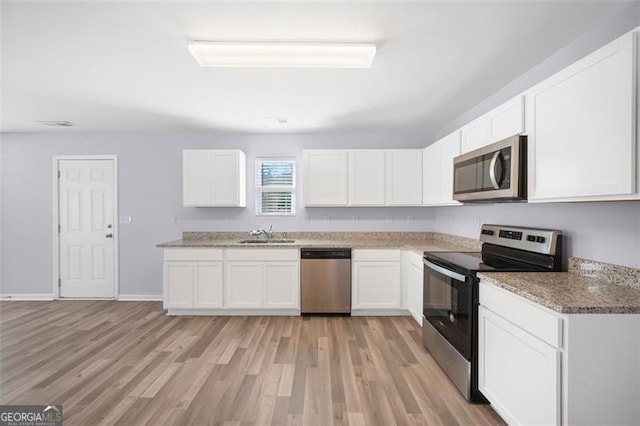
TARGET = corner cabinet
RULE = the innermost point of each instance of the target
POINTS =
(325, 178)
(582, 128)
(192, 278)
(214, 178)
(376, 283)
(438, 170)
(538, 366)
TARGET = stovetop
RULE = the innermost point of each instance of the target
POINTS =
(471, 262)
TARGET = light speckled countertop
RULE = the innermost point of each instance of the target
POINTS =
(570, 292)
(418, 242)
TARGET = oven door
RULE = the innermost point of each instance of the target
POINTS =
(448, 305)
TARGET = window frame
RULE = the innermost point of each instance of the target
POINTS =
(261, 189)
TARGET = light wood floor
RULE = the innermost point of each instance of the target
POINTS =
(127, 363)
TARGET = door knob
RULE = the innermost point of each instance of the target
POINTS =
(109, 236)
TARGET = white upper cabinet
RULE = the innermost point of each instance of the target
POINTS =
(581, 125)
(366, 177)
(438, 170)
(499, 123)
(325, 177)
(404, 177)
(214, 178)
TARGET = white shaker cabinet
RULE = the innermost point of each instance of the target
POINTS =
(538, 366)
(581, 125)
(403, 177)
(367, 177)
(325, 177)
(412, 283)
(376, 283)
(499, 123)
(262, 280)
(438, 170)
(213, 178)
(192, 278)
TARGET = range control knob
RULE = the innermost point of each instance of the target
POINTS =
(531, 238)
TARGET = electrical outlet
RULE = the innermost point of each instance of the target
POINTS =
(355, 218)
(326, 218)
(227, 219)
(409, 219)
(388, 219)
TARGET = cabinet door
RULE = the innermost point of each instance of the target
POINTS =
(243, 285)
(507, 120)
(404, 177)
(207, 284)
(476, 134)
(438, 170)
(377, 285)
(581, 125)
(366, 177)
(228, 177)
(196, 178)
(178, 278)
(282, 285)
(325, 178)
(412, 277)
(518, 374)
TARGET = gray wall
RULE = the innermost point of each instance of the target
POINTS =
(604, 231)
(150, 191)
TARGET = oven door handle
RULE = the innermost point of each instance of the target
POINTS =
(492, 170)
(444, 271)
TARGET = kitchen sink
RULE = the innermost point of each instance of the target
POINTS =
(274, 241)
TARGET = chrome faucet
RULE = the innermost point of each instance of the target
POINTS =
(257, 232)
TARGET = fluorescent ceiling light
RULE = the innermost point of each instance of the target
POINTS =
(283, 55)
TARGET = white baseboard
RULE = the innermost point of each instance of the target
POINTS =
(232, 312)
(26, 297)
(379, 313)
(140, 297)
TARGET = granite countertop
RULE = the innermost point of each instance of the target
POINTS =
(574, 292)
(418, 242)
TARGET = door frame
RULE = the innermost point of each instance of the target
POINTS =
(56, 219)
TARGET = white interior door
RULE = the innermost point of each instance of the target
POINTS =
(86, 215)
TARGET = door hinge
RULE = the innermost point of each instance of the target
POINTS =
(59, 283)
(59, 228)
(58, 174)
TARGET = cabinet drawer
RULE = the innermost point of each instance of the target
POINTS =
(262, 254)
(376, 255)
(192, 254)
(523, 313)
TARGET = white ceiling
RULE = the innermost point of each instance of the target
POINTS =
(124, 66)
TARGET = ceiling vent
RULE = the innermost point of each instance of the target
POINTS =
(57, 123)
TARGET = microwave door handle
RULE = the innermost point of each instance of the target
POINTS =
(492, 170)
(444, 271)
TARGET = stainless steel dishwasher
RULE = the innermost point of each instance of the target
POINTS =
(325, 277)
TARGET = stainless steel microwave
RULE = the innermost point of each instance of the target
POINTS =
(496, 172)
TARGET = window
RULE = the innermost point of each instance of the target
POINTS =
(275, 187)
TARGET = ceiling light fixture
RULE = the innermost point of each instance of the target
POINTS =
(283, 54)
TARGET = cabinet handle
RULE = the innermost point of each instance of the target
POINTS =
(492, 170)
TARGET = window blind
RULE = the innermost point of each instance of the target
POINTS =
(275, 187)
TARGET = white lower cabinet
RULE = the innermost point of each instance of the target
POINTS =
(412, 283)
(519, 373)
(263, 279)
(192, 278)
(538, 366)
(376, 281)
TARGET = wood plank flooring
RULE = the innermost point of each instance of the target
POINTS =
(126, 363)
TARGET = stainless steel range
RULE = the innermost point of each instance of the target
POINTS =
(450, 307)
